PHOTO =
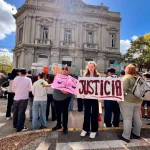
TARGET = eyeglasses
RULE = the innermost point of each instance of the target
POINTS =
(65, 69)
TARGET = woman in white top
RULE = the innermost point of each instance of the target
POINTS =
(39, 102)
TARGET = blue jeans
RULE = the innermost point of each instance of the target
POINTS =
(30, 109)
(39, 106)
(71, 103)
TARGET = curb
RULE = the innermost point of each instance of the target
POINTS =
(69, 129)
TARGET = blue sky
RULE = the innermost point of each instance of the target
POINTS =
(134, 13)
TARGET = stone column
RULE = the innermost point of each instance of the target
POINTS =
(28, 29)
(49, 32)
(73, 35)
(38, 31)
(24, 30)
(53, 30)
(14, 60)
(77, 34)
(58, 33)
(98, 37)
(22, 59)
(117, 40)
(33, 30)
(17, 34)
(81, 34)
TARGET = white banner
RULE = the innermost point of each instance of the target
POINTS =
(100, 88)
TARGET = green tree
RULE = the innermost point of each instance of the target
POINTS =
(5, 63)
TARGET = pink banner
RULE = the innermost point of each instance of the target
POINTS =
(65, 83)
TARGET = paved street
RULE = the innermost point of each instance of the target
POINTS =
(106, 138)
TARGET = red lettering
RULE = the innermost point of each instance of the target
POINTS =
(101, 87)
(105, 87)
(113, 88)
(89, 86)
(118, 88)
(83, 83)
(96, 82)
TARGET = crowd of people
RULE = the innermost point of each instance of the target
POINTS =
(37, 90)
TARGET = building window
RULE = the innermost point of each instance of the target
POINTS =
(44, 34)
(68, 35)
(90, 37)
(112, 39)
(20, 34)
(43, 56)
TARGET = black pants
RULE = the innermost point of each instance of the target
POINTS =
(80, 104)
(50, 100)
(19, 114)
(62, 109)
(111, 107)
(90, 115)
(10, 104)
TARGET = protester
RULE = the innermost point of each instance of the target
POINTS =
(40, 102)
(70, 108)
(130, 108)
(122, 73)
(147, 103)
(111, 107)
(11, 94)
(62, 100)
(50, 99)
(80, 104)
(21, 86)
(91, 110)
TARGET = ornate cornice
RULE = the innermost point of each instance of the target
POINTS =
(59, 12)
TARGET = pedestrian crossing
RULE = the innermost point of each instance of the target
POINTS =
(94, 145)
(43, 146)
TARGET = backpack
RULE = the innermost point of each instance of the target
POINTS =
(141, 89)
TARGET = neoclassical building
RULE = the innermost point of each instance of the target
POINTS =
(66, 32)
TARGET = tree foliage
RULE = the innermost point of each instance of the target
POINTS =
(139, 52)
(5, 63)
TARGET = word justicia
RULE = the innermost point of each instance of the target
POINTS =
(100, 87)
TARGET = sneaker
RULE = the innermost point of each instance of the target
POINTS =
(148, 124)
(144, 117)
(92, 135)
(83, 133)
(56, 128)
(24, 129)
(8, 118)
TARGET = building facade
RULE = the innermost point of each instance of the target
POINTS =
(66, 32)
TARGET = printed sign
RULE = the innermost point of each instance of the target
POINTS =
(36, 66)
(100, 88)
(117, 68)
(65, 83)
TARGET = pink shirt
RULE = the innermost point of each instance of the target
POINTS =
(21, 87)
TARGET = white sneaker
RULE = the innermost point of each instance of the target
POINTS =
(8, 118)
(24, 129)
(83, 133)
(92, 135)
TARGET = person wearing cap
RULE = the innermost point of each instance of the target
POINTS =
(111, 107)
(21, 86)
(62, 100)
(147, 78)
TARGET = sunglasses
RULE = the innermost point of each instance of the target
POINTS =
(65, 69)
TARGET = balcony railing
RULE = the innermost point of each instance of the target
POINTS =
(90, 46)
(43, 41)
(67, 44)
